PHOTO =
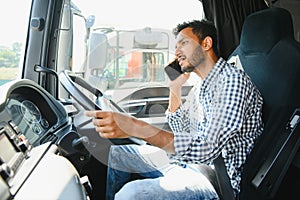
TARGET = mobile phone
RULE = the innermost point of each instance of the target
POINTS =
(173, 70)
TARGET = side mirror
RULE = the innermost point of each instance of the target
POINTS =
(90, 20)
(97, 51)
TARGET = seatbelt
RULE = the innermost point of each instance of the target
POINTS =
(223, 179)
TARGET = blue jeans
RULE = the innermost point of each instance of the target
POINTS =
(160, 179)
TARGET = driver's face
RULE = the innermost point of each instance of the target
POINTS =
(188, 50)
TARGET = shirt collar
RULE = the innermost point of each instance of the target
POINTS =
(213, 72)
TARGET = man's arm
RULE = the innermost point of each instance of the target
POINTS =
(119, 125)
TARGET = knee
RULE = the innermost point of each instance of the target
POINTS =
(118, 154)
(132, 190)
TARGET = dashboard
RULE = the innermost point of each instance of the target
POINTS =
(32, 112)
(41, 136)
(33, 125)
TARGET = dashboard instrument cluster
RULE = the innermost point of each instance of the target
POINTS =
(32, 112)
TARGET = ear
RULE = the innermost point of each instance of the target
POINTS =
(207, 43)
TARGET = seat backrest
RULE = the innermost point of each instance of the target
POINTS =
(270, 55)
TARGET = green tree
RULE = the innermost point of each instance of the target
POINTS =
(9, 57)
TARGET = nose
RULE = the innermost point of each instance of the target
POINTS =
(177, 51)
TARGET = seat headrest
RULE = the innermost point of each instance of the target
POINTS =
(263, 29)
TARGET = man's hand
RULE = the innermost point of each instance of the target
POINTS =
(179, 81)
(112, 124)
(175, 91)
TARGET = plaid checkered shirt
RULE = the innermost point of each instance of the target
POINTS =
(221, 115)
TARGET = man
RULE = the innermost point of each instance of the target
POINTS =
(221, 116)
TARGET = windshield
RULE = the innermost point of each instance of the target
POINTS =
(117, 46)
(127, 58)
(127, 43)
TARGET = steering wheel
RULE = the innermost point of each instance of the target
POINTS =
(71, 83)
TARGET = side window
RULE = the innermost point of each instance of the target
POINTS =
(13, 38)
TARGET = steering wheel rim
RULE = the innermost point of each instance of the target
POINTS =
(69, 81)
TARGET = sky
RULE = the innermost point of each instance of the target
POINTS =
(130, 13)
(155, 13)
(13, 20)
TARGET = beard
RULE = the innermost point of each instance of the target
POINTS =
(196, 59)
(188, 68)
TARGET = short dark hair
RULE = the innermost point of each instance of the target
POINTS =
(201, 29)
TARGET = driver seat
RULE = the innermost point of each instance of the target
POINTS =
(270, 55)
